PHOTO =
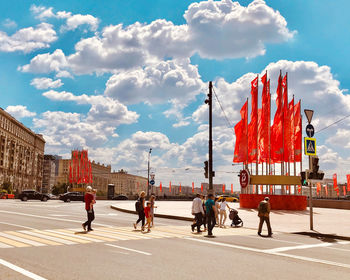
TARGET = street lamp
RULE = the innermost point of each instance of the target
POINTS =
(149, 159)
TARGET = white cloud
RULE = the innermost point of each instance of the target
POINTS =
(73, 21)
(8, 23)
(181, 123)
(218, 24)
(19, 111)
(45, 83)
(28, 39)
(46, 63)
(103, 109)
(174, 81)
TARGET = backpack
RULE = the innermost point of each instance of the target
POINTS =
(137, 205)
(263, 207)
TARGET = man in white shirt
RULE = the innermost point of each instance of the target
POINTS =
(198, 212)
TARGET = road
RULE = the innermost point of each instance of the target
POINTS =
(44, 240)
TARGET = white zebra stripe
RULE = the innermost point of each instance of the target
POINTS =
(20, 239)
(42, 235)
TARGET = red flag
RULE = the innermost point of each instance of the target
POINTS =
(90, 173)
(180, 188)
(160, 187)
(326, 189)
(192, 187)
(261, 189)
(335, 183)
(70, 172)
(299, 189)
(276, 129)
(318, 188)
(289, 134)
(170, 186)
(348, 182)
(344, 190)
(286, 121)
(241, 148)
(253, 125)
(297, 133)
(201, 187)
(223, 188)
(264, 122)
(231, 188)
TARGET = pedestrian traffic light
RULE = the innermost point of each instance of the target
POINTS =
(206, 167)
(303, 178)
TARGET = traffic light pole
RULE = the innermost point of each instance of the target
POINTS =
(210, 95)
(310, 200)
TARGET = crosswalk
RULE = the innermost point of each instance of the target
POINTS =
(73, 236)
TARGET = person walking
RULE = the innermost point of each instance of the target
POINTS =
(264, 215)
(148, 216)
(89, 202)
(223, 214)
(140, 205)
(211, 213)
(205, 212)
(198, 212)
(217, 206)
(152, 200)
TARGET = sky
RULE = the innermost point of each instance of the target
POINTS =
(121, 77)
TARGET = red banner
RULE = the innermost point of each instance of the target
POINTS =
(276, 129)
(297, 133)
(170, 186)
(348, 181)
(201, 187)
(264, 122)
(193, 187)
(326, 189)
(223, 188)
(231, 188)
(344, 190)
(180, 188)
(241, 145)
(160, 186)
(253, 125)
(335, 183)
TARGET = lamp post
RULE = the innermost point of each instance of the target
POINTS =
(149, 159)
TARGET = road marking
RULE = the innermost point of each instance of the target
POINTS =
(50, 218)
(271, 253)
(20, 239)
(21, 270)
(3, 245)
(41, 240)
(60, 235)
(15, 225)
(128, 249)
(71, 234)
(12, 242)
(300, 247)
(110, 236)
(44, 236)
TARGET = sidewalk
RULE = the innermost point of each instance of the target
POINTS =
(332, 222)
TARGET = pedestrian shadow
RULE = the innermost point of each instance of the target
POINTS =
(328, 238)
(81, 232)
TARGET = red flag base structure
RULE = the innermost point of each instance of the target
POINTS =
(278, 202)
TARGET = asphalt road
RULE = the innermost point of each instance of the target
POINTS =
(44, 240)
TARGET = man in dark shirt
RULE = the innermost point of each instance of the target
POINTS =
(89, 201)
(210, 212)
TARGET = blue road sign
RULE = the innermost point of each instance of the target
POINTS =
(310, 146)
(152, 182)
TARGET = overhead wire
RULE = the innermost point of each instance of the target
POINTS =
(222, 109)
(328, 126)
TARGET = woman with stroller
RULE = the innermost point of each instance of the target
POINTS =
(223, 214)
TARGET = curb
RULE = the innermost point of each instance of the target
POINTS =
(322, 235)
(155, 215)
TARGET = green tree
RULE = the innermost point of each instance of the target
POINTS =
(7, 186)
(60, 188)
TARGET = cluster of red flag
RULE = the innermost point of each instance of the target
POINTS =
(258, 141)
(161, 187)
(80, 168)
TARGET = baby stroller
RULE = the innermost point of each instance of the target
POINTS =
(236, 220)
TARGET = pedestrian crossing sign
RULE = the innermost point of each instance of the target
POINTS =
(310, 146)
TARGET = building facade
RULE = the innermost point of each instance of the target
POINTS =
(21, 154)
(49, 174)
(127, 184)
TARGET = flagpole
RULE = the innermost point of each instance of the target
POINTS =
(295, 164)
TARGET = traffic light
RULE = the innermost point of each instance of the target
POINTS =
(303, 178)
(206, 169)
(315, 173)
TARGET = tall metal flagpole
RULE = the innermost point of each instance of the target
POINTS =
(210, 137)
(294, 161)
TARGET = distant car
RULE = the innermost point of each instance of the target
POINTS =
(228, 198)
(52, 196)
(32, 194)
(120, 197)
(72, 196)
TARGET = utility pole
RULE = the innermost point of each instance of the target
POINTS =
(149, 158)
(210, 103)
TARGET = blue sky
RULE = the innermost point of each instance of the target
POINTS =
(124, 76)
